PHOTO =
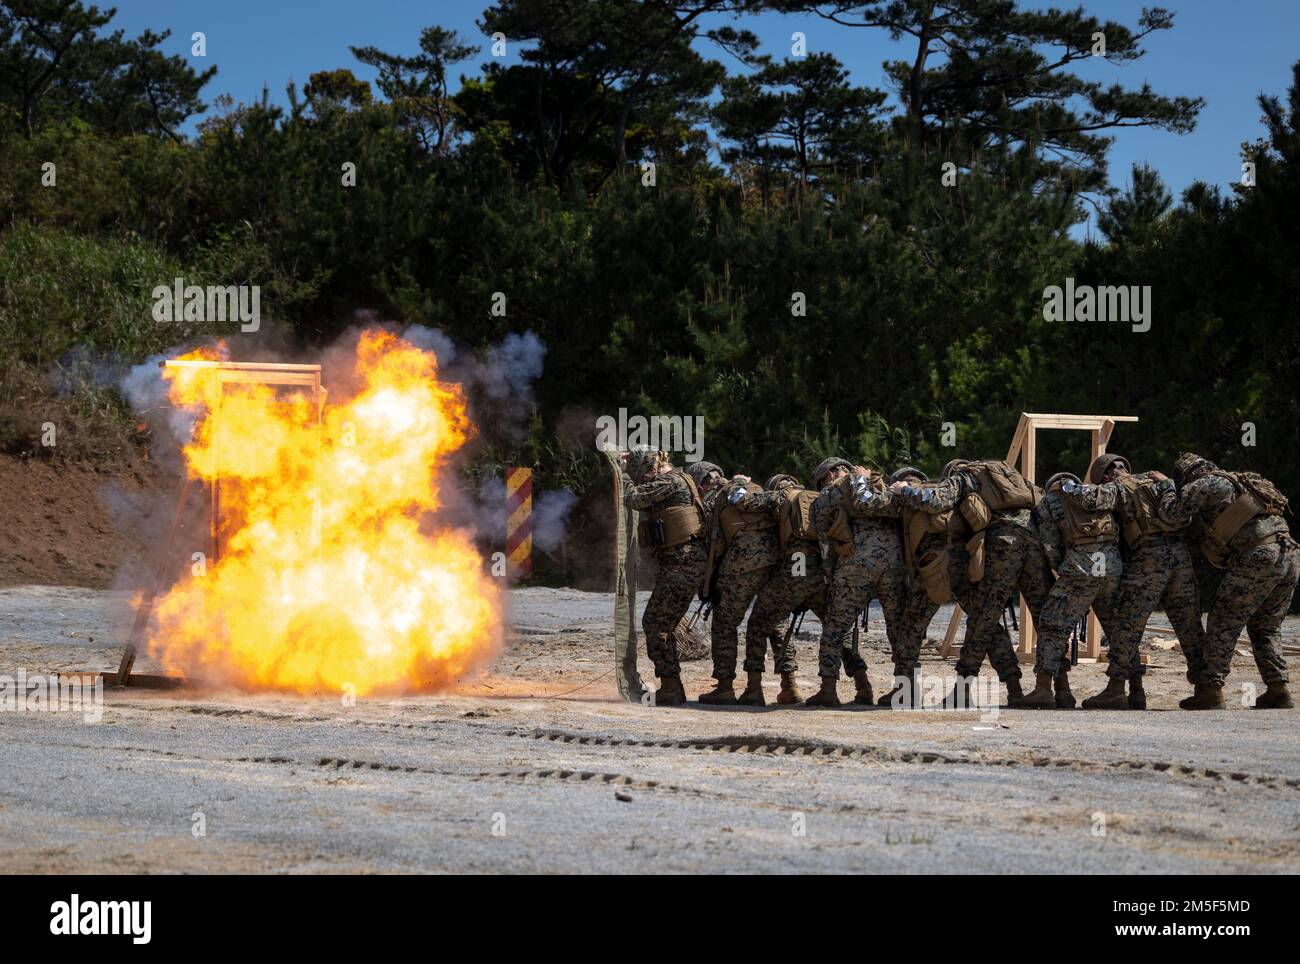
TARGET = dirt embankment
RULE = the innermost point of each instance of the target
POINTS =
(74, 524)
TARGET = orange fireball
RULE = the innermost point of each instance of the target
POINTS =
(329, 578)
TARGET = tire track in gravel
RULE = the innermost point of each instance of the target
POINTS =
(764, 745)
(756, 744)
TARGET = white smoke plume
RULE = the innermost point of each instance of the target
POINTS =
(484, 511)
(550, 513)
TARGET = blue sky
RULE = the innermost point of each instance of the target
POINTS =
(1225, 52)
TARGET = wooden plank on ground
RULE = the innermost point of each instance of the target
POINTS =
(144, 681)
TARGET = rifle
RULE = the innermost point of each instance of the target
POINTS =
(704, 610)
(796, 621)
(709, 588)
(852, 642)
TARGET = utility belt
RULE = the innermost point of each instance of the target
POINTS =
(654, 533)
(1155, 539)
(812, 552)
(1090, 541)
(1235, 556)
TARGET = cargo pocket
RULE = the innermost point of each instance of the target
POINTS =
(934, 576)
(976, 512)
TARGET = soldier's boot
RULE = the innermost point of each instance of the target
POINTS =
(1014, 692)
(753, 695)
(1137, 695)
(1276, 697)
(1112, 697)
(1208, 696)
(826, 696)
(1040, 697)
(902, 695)
(1064, 698)
(724, 694)
(789, 690)
(670, 692)
(863, 695)
(960, 697)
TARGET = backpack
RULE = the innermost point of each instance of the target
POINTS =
(1270, 499)
(1146, 508)
(1256, 496)
(796, 519)
(1001, 486)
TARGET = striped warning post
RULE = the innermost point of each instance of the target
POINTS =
(519, 522)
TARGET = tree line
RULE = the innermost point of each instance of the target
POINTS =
(692, 224)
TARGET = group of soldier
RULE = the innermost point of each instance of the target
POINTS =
(1117, 542)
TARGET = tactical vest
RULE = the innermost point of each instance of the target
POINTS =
(732, 520)
(839, 534)
(795, 519)
(1256, 496)
(676, 523)
(1001, 487)
(1080, 527)
(1147, 522)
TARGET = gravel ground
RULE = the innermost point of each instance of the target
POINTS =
(537, 766)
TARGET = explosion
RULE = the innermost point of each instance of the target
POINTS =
(328, 575)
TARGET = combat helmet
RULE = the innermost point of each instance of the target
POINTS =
(1060, 477)
(825, 467)
(1190, 466)
(908, 472)
(639, 459)
(1102, 464)
(953, 466)
(700, 471)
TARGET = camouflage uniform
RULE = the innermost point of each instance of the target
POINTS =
(1087, 576)
(1157, 573)
(680, 570)
(1256, 589)
(748, 565)
(786, 592)
(874, 570)
(1013, 562)
(919, 609)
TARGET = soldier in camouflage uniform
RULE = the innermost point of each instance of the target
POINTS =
(1013, 562)
(869, 565)
(920, 609)
(651, 485)
(1157, 572)
(1083, 548)
(748, 561)
(1261, 563)
(799, 584)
